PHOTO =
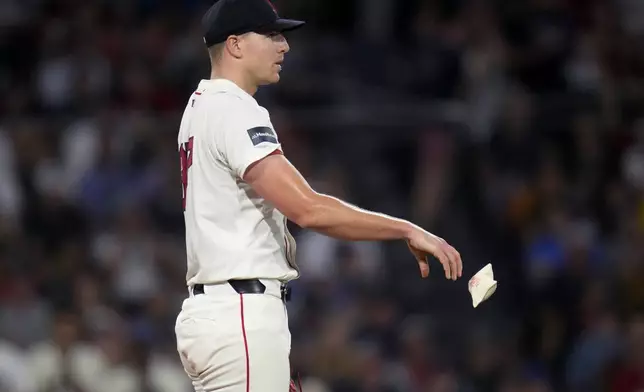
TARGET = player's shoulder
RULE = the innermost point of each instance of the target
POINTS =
(232, 105)
(240, 113)
(221, 98)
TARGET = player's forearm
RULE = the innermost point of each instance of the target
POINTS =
(335, 218)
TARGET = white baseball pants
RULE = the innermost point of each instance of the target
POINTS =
(230, 342)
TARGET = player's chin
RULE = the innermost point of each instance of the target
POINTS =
(275, 77)
(270, 75)
(271, 79)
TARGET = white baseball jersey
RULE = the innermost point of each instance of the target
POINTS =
(231, 232)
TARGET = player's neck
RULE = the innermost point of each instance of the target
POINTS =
(242, 82)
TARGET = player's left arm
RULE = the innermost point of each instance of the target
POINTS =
(250, 153)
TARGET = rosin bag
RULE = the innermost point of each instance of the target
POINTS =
(482, 285)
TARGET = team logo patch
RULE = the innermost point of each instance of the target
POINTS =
(262, 135)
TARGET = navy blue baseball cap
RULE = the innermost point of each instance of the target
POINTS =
(234, 17)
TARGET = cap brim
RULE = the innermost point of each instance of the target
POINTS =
(283, 25)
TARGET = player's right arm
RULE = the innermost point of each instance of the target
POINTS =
(279, 182)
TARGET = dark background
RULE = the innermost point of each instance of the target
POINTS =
(512, 128)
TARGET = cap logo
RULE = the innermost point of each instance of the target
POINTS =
(272, 6)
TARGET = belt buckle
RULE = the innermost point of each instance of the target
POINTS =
(285, 292)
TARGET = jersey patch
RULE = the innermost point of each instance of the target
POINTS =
(262, 134)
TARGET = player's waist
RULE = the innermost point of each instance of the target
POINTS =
(214, 252)
(271, 287)
(215, 265)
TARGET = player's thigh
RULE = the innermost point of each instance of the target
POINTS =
(258, 363)
(213, 357)
(268, 358)
(228, 353)
(268, 341)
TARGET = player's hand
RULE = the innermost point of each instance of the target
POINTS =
(422, 244)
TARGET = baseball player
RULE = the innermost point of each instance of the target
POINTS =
(238, 191)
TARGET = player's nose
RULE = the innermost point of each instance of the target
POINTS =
(284, 46)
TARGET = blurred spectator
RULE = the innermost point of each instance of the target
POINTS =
(629, 375)
(593, 355)
(24, 317)
(15, 371)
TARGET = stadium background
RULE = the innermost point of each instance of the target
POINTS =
(513, 128)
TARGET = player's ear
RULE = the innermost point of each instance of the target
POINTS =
(234, 46)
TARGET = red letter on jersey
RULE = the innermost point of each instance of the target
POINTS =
(185, 155)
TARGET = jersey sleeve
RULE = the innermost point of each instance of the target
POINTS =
(246, 139)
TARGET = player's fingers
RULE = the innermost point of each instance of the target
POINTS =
(453, 260)
(424, 267)
(452, 265)
(447, 262)
(440, 254)
(445, 247)
(459, 262)
(421, 258)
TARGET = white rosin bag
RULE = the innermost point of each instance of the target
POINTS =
(482, 285)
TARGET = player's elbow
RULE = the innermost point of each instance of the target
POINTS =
(307, 216)
(305, 220)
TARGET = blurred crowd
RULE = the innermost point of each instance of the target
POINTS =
(512, 128)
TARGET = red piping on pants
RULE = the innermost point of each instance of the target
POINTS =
(243, 325)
